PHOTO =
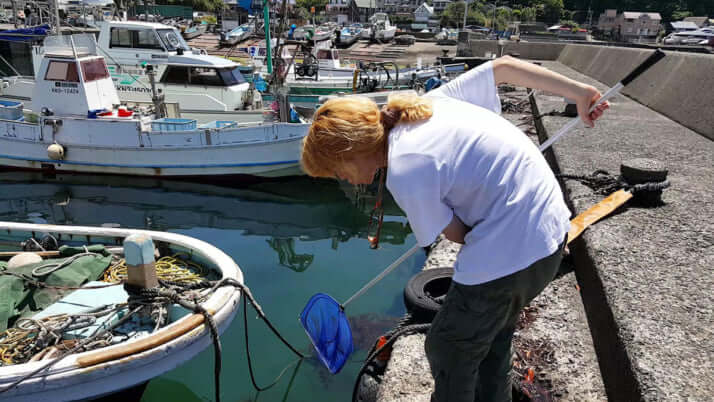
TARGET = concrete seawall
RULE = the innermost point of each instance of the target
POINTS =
(676, 87)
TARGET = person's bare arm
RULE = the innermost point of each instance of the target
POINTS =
(456, 230)
(510, 70)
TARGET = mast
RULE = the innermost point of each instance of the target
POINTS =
(58, 24)
(266, 23)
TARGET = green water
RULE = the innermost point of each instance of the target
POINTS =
(291, 238)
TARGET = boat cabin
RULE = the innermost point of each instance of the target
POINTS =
(73, 79)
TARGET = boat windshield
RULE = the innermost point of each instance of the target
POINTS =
(171, 40)
(231, 76)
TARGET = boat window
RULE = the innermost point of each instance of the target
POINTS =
(231, 76)
(171, 40)
(175, 75)
(204, 76)
(146, 39)
(62, 71)
(120, 37)
(324, 54)
(93, 70)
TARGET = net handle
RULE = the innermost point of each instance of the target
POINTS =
(384, 273)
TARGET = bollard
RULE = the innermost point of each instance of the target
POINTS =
(139, 255)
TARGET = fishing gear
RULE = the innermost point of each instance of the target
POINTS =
(576, 121)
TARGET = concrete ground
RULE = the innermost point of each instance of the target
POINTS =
(634, 321)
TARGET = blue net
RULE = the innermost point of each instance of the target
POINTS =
(328, 329)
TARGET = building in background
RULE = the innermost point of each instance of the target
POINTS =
(630, 26)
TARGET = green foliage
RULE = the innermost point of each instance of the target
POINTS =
(552, 10)
(307, 4)
(197, 5)
(680, 15)
(528, 14)
(208, 19)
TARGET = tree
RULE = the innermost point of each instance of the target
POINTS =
(552, 10)
(528, 14)
(308, 4)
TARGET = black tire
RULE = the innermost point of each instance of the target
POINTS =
(425, 292)
(642, 170)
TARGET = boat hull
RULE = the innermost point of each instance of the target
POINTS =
(76, 377)
(269, 150)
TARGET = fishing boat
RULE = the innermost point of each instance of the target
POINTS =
(194, 31)
(199, 83)
(236, 34)
(350, 34)
(77, 126)
(103, 344)
(324, 32)
(304, 32)
(383, 29)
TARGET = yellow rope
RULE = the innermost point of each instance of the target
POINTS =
(168, 268)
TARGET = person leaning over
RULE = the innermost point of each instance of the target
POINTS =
(456, 167)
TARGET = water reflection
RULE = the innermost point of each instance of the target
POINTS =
(296, 208)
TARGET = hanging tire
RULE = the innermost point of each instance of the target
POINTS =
(425, 293)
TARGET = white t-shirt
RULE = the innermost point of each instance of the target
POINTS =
(469, 161)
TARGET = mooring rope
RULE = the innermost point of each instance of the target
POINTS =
(604, 183)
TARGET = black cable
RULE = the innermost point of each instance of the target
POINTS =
(250, 362)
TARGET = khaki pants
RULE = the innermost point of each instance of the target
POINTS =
(469, 343)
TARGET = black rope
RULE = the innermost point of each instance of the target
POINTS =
(603, 183)
(392, 337)
(250, 362)
(145, 296)
(76, 348)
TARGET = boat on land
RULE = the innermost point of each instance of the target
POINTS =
(236, 34)
(194, 31)
(383, 29)
(107, 353)
(350, 34)
(76, 126)
(199, 83)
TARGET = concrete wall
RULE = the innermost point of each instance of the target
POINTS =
(679, 86)
(526, 50)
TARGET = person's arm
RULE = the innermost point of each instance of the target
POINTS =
(510, 70)
(456, 230)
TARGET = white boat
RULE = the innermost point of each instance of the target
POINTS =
(199, 83)
(76, 126)
(350, 34)
(128, 360)
(324, 32)
(697, 37)
(236, 34)
(384, 30)
(194, 31)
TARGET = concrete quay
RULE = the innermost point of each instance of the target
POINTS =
(638, 325)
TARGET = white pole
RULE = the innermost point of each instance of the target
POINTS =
(57, 18)
(466, 11)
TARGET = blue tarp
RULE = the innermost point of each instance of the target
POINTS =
(33, 33)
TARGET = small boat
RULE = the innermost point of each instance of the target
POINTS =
(350, 34)
(77, 126)
(109, 353)
(236, 34)
(324, 32)
(383, 29)
(304, 32)
(194, 31)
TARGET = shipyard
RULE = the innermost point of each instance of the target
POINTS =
(375, 201)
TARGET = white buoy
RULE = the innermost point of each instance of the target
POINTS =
(55, 152)
(23, 259)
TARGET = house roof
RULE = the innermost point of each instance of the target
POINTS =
(684, 25)
(637, 14)
(425, 7)
(697, 20)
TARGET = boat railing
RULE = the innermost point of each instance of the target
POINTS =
(77, 45)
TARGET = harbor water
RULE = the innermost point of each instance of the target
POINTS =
(292, 238)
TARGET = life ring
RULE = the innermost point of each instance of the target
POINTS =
(425, 292)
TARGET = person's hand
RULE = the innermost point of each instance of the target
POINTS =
(587, 97)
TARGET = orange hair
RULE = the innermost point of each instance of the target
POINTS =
(345, 128)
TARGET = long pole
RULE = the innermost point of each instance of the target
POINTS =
(266, 23)
(466, 11)
(57, 18)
